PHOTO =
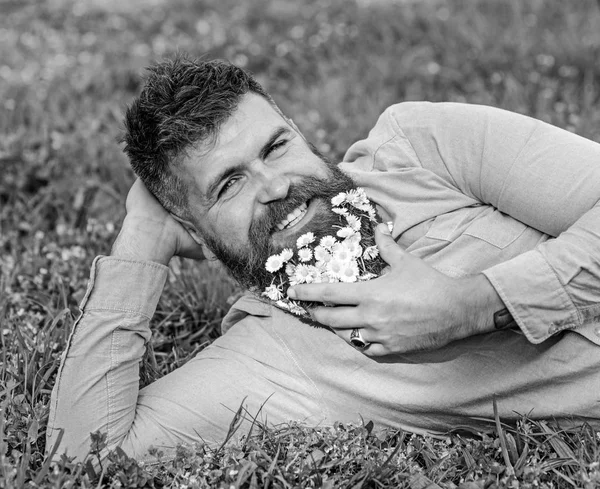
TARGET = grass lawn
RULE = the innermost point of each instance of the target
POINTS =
(67, 70)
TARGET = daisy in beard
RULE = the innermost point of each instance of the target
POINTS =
(305, 240)
(305, 254)
(322, 254)
(327, 242)
(349, 271)
(348, 256)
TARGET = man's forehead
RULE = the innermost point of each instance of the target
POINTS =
(238, 140)
(253, 120)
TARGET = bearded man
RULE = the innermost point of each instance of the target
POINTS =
(492, 290)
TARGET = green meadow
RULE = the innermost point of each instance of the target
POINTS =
(68, 68)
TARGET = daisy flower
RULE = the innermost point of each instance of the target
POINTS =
(302, 273)
(290, 269)
(322, 254)
(353, 222)
(367, 276)
(340, 210)
(338, 199)
(286, 255)
(353, 197)
(341, 253)
(305, 240)
(297, 310)
(327, 242)
(273, 263)
(353, 238)
(305, 254)
(345, 232)
(370, 252)
(273, 293)
(349, 272)
(353, 248)
(334, 268)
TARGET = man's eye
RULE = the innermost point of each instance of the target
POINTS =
(276, 146)
(228, 184)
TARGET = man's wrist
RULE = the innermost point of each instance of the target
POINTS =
(143, 241)
(479, 303)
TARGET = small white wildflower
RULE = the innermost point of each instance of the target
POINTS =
(273, 293)
(372, 214)
(353, 222)
(353, 197)
(273, 263)
(327, 242)
(305, 240)
(302, 274)
(353, 238)
(338, 199)
(314, 274)
(305, 254)
(283, 305)
(290, 269)
(334, 267)
(340, 210)
(341, 253)
(353, 247)
(370, 252)
(286, 255)
(367, 276)
(296, 309)
(345, 232)
(322, 254)
(349, 272)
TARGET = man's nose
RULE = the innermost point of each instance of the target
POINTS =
(273, 186)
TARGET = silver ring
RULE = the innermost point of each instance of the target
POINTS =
(357, 340)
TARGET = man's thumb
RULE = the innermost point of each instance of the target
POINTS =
(388, 248)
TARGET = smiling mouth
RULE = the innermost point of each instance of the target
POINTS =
(293, 218)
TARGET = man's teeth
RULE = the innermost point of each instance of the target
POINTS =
(293, 217)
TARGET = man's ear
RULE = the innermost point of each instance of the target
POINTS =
(196, 236)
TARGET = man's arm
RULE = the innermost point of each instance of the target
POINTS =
(97, 384)
(536, 173)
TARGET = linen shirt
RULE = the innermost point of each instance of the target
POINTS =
(470, 189)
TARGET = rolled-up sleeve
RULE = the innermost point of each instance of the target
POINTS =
(539, 174)
(97, 383)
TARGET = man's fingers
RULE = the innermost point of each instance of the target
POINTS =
(389, 250)
(373, 349)
(344, 318)
(337, 294)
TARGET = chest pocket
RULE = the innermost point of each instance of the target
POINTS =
(490, 226)
(496, 229)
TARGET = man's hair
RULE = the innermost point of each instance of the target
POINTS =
(183, 104)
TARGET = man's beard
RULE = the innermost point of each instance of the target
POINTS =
(248, 266)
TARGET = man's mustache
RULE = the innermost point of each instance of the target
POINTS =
(277, 211)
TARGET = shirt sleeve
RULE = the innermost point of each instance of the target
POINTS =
(98, 381)
(539, 174)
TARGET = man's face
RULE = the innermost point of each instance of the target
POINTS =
(258, 189)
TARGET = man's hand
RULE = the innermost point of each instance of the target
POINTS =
(411, 307)
(150, 233)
